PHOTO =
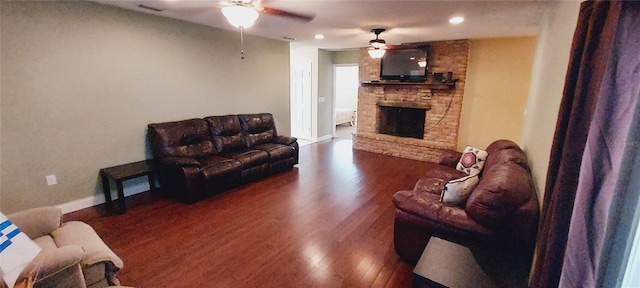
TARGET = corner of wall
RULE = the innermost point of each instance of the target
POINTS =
(547, 83)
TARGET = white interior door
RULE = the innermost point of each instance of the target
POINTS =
(301, 101)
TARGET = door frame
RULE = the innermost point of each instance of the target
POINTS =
(307, 102)
(333, 108)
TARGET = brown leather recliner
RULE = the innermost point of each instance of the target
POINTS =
(501, 212)
(200, 157)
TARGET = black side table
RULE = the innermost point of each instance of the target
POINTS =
(125, 172)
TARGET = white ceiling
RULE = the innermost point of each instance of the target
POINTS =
(347, 23)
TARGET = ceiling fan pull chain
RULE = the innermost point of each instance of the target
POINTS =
(241, 44)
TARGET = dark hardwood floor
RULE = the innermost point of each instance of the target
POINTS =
(326, 223)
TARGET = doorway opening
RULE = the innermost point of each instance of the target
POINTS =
(345, 109)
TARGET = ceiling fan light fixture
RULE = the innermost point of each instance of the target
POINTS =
(456, 20)
(377, 47)
(378, 44)
(240, 15)
(376, 53)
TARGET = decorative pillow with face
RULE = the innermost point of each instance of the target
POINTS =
(472, 160)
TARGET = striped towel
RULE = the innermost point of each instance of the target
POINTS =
(16, 250)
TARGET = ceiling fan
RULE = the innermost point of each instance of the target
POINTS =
(243, 13)
(245, 8)
(240, 13)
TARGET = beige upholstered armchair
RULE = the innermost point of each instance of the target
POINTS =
(72, 255)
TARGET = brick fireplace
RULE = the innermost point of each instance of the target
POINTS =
(441, 107)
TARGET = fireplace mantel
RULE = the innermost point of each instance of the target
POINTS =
(404, 104)
(402, 85)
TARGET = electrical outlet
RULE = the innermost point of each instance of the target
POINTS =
(321, 99)
(51, 180)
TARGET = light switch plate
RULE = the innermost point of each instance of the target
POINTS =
(51, 180)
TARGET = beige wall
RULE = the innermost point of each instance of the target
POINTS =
(351, 56)
(80, 82)
(549, 69)
(321, 85)
(325, 90)
(498, 76)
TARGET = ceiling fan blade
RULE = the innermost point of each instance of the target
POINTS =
(278, 12)
(401, 47)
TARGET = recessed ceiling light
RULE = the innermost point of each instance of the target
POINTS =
(319, 36)
(456, 20)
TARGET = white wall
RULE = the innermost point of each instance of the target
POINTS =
(80, 82)
(547, 82)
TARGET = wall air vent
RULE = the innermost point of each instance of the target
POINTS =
(150, 8)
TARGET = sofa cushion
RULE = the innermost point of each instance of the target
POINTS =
(276, 152)
(187, 138)
(501, 191)
(215, 166)
(501, 144)
(258, 128)
(439, 216)
(472, 160)
(444, 172)
(510, 154)
(430, 185)
(45, 242)
(248, 158)
(456, 191)
(227, 132)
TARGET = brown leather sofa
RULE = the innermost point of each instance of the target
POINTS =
(200, 157)
(501, 212)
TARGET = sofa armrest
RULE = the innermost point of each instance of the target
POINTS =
(441, 218)
(284, 140)
(179, 161)
(450, 158)
(81, 234)
(37, 222)
(52, 262)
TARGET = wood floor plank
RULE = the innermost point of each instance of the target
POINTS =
(326, 223)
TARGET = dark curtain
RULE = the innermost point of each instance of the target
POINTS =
(592, 43)
(604, 172)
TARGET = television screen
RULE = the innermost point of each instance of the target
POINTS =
(404, 65)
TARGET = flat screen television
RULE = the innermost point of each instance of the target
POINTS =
(404, 65)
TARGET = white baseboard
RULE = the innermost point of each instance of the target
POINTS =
(324, 138)
(95, 200)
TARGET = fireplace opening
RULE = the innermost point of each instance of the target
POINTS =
(401, 121)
